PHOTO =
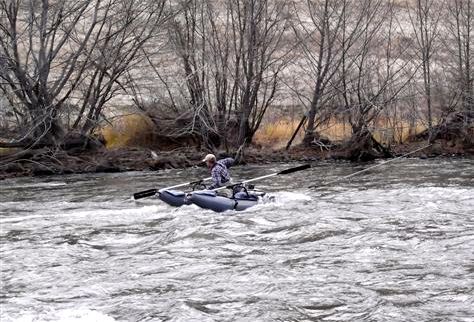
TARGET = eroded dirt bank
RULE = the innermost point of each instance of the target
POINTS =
(54, 162)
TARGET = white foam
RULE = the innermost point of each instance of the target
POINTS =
(19, 219)
(282, 199)
(287, 196)
(117, 212)
(38, 185)
(66, 315)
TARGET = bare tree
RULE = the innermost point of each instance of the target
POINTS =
(190, 35)
(424, 17)
(376, 80)
(117, 50)
(53, 49)
(231, 57)
(332, 29)
(34, 36)
(459, 43)
(259, 26)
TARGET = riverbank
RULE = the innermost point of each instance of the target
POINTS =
(48, 162)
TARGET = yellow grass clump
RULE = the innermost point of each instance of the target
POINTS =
(335, 130)
(128, 131)
(5, 151)
(395, 131)
(276, 134)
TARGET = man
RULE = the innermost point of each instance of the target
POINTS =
(219, 170)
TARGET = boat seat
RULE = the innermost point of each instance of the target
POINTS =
(244, 196)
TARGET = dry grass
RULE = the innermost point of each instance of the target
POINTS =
(277, 134)
(128, 131)
(396, 131)
(137, 130)
(335, 130)
(5, 151)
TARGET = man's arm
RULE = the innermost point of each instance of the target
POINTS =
(228, 162)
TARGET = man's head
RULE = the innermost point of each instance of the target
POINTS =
(210, 160)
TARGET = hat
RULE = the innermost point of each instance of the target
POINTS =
(209, 157)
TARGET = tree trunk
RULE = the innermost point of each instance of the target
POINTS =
(363, 147)
(309, 135)
(244, 128)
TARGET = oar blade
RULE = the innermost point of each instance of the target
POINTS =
(144, 194)
(295, 169)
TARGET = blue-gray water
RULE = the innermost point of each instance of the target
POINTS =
(393, 244)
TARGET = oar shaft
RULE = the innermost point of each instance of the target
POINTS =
(286, 171)
(260, 178)
(185, 184)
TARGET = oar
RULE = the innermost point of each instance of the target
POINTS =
(152, 192)
(286, 171)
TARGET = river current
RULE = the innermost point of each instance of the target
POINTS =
(395, 243)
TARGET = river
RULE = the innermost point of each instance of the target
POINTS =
(392, 244)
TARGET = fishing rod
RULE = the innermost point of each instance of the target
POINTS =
(369, 168)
